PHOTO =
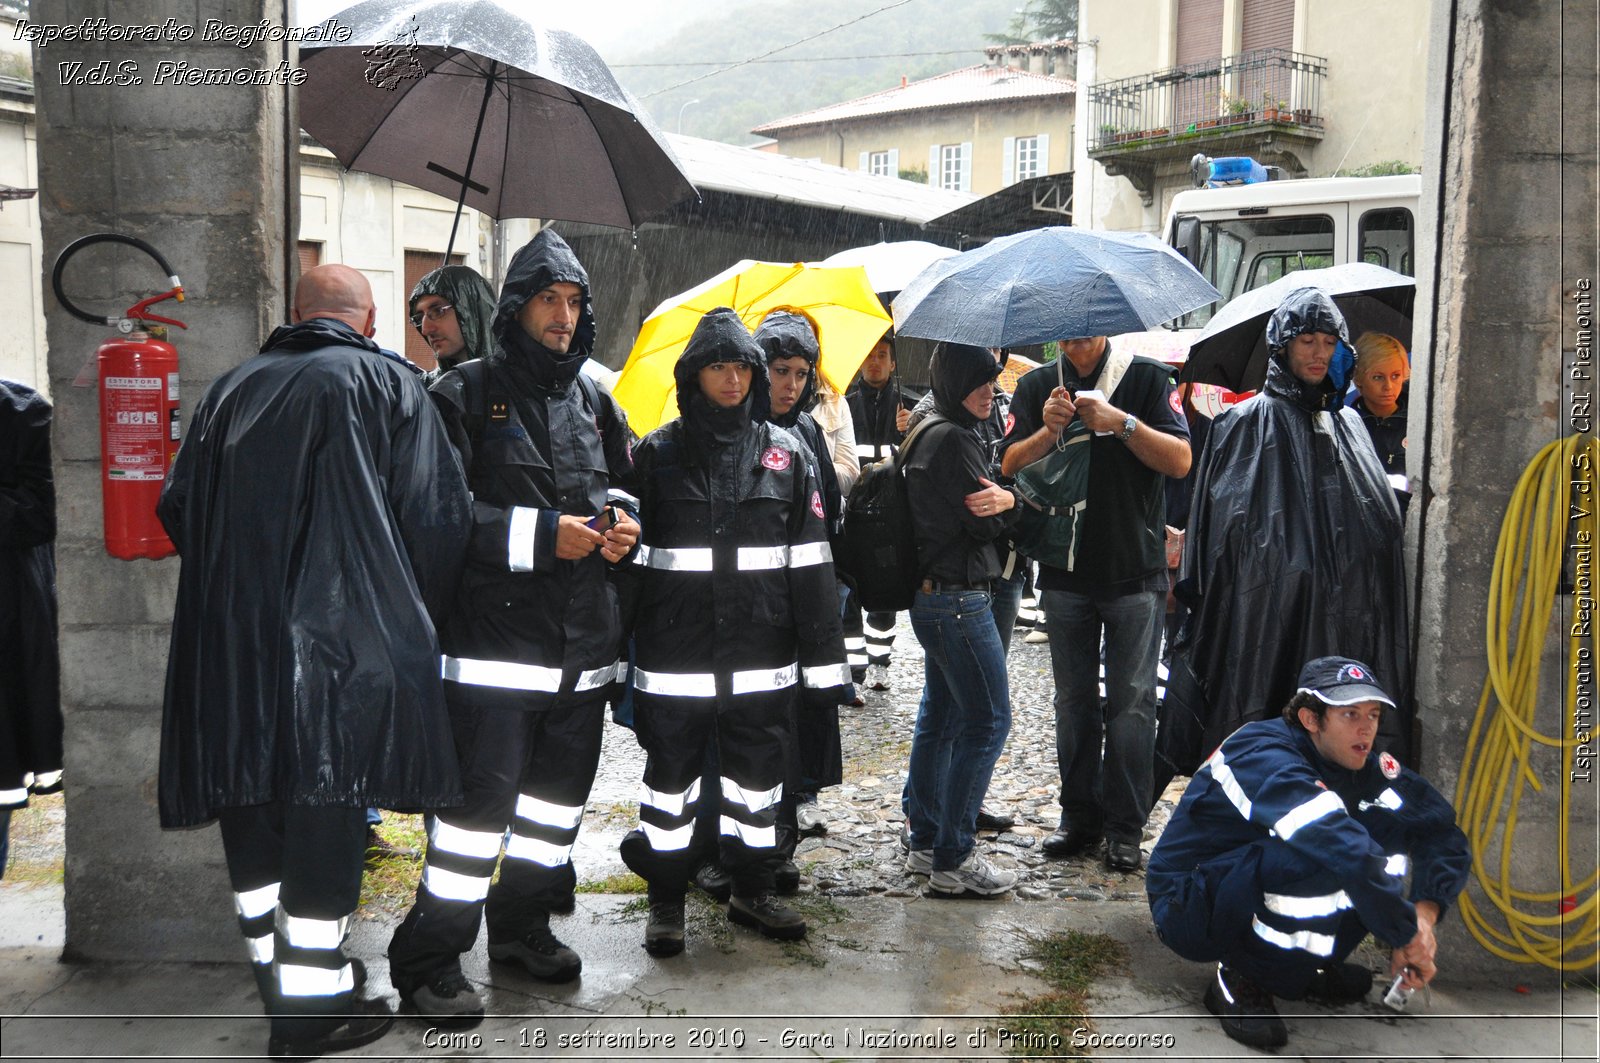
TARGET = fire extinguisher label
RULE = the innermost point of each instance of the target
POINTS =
(172, 389)
(134, 428)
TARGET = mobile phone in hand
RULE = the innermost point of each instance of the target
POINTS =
(605, 520)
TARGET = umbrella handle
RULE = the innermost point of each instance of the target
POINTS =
(472, 156)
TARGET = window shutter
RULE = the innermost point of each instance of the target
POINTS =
(894, 162)
(1266, 24)
(1008, 161)
(865, 164)
(1044, 154)
(966, 166)
(935, 178)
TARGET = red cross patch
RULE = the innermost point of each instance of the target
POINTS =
(1011, 419)
(816, 506)
(1389, 766)
(1321, 785)
(1176, 402)
(775, 458)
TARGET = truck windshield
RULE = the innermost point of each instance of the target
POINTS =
(1238, 254)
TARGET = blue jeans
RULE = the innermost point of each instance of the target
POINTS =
(1109, 793)
(962, 722)
(1007, 600)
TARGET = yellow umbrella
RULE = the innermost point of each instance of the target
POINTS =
(849, 318)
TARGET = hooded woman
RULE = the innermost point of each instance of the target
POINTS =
(1292, 551)
(737, 621)
(960, 517)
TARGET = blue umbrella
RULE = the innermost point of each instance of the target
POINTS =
(1051, 284)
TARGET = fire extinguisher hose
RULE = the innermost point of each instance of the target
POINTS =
(1557, 926)
(101, 238)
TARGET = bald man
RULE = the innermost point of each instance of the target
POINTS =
(322, 519)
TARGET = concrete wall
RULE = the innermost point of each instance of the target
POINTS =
(985, 127)
(1510, 188)
(203, 174)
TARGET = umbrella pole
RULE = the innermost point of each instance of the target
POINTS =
(466, 178)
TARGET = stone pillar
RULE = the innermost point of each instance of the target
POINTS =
(1506, 234)
(207, 175)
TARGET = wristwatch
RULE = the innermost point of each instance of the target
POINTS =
(1129, 423)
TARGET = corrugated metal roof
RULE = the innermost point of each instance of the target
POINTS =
(764, 175)
(969, 85)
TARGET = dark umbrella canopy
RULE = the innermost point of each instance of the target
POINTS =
(557, 137)
(1050, 284)
(1232, 350)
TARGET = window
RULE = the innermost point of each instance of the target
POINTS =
(878, 164)
(1028, 163)
(1386, 239)
(1240, 254)
(950, 166)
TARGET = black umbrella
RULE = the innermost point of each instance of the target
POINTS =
(1232, 350)
(468, 100)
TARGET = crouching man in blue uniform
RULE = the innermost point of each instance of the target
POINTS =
(1291, 844)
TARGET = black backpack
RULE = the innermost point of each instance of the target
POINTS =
(878, 546)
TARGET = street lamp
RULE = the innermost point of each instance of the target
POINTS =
(686, 103)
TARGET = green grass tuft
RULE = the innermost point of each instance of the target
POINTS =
(1069, 962)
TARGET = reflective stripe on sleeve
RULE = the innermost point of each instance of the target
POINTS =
(547, 813)
(305, 933)
(1230, 786)
(675, 558)
(478, 844)
(541, 852)
(823, 676)
(508, 675)
(46, 779)
(664, 840)
(452, 885)
(1306, 907)
(754, 837)
(257, 902)
(806, 554)
(296, 980)
(1316, 944)
(1397, 865)
(1326, 803)
(520, 540)
(754, 800)
(676, 684)
(671, 804)
(599, 677)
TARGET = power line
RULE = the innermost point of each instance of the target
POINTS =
(798, 59)
(780, 48)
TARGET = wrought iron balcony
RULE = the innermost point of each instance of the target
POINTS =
(1264, 103)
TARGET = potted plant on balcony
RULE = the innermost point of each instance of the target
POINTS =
(1236, 109)
(1108, 133)
(1272, 109)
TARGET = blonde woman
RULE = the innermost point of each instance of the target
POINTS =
(1381, 371)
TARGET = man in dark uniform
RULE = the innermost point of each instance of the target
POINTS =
(321, 517)
(452, 308)
(532, 642)
(881, 421)
(1291, 843)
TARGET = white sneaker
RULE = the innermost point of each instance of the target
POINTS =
(1036, 636)
(975, 876)
(810, 817)
(919, 862)
(878, 677)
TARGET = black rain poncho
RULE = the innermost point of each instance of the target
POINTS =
(30, 699)
(1293, 551)
(321, 517)
(466, 290)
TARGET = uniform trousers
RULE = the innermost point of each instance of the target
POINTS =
(296, 877)
(751, 743)
(526, 776)
(1271, 914)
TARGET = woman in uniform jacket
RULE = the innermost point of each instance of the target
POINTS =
(736, 623)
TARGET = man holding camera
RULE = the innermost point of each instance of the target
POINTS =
(532, 644)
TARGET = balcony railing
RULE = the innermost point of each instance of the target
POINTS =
(1271, 86)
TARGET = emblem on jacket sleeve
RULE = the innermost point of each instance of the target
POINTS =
(1176, 402)
(816, 506)
(775, 458)
(1389, 766)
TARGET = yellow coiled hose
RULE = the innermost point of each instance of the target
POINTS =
(1559, 926)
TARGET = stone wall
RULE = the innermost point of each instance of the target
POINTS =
(202, 174)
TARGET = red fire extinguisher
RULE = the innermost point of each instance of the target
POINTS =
(139, 433)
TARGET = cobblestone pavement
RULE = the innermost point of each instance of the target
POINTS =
(860, 852)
